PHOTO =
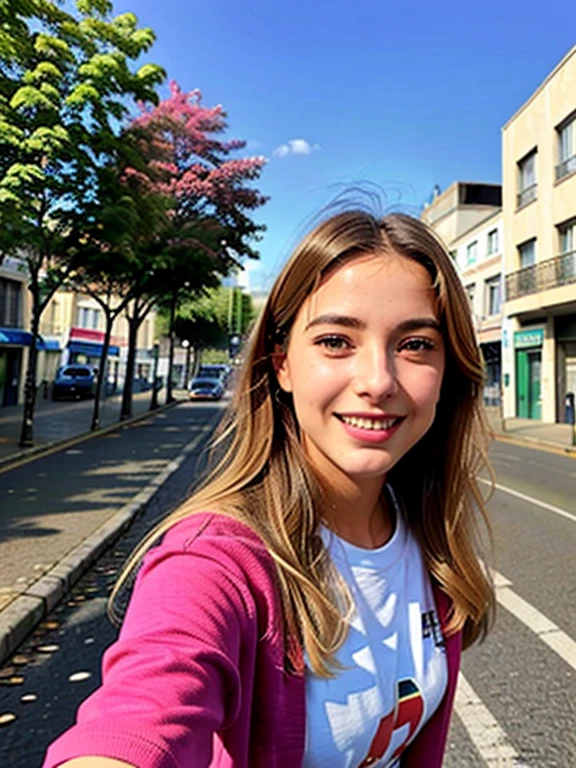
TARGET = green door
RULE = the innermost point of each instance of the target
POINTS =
(522, 379)
(528, 382)
(534, 377)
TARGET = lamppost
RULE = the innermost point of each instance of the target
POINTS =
(188, 347)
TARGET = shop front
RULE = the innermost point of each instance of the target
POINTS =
(528, 358)
(85, 347)
(565, 334)
(13, 342)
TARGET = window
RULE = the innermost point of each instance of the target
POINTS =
(493, 244)
(472, 253)
(566, 148)
(470, 290)
(95, 318)
(493, 292)
(566, 263)
(83, 317)
(527, 253)
(10, 303)
(527, 186)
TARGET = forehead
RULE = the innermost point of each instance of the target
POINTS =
(388, 282)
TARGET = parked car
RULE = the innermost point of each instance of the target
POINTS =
(202, 388)
(74, 381)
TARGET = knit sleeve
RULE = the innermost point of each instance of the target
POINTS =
(173, 678)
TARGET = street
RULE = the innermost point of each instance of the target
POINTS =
(515, 705)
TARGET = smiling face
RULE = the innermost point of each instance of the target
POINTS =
(364, 364)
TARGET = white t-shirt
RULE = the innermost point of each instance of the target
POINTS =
(395, 671)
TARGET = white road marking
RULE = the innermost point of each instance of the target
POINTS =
(550, 633)
(483, 729)
(531, 500)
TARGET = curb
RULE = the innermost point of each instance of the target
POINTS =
(20, 617)
(26, 456)
(535, 442)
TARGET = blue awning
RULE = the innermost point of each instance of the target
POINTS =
(15, 337)
(91, 350)
(49, 345)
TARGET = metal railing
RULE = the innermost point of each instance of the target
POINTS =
(552, 273)
(526, 195)
(565, 167)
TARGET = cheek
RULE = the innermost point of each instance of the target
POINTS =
(423, 385)
(316, 380)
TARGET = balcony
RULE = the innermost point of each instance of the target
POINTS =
(566, 167)
(552, 273)
(526, 195)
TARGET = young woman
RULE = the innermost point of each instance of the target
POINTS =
(308, 605)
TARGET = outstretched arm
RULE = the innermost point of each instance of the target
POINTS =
(177, 674)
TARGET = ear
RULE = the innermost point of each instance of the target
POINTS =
(282, 368)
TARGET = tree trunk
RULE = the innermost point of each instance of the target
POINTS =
(154, 398)
(133, 324)
(196, 363)
(169, 396)
(102, 372)
(27, 431)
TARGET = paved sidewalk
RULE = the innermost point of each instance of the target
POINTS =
(55, 422)
(532, 432)
(61, 510)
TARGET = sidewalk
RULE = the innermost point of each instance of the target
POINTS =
(61, 510)
(532, 432)
(55, 422)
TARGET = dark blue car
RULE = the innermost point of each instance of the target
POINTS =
(74, 381)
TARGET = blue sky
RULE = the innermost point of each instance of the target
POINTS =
(399, 95)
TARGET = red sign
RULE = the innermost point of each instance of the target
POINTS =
(94, 337)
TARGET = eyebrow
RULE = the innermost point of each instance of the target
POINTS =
(413, 324)
(345, 320)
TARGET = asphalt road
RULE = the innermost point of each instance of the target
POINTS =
(517, 698)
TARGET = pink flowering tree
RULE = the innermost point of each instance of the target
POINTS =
(180, 154)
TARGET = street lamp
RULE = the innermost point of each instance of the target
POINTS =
(188, 347)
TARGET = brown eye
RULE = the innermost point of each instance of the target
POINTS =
(333, 343)
(421, 344)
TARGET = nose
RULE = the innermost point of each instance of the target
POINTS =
(376, 375)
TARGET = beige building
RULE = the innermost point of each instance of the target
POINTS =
(15, 337)
(468, 218)
(72, 329)
(539, 217)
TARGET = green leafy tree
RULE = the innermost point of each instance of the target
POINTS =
(66, 82)
(209, 321)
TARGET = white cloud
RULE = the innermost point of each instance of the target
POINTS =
(295, 147)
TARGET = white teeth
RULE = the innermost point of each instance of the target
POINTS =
(369, 423)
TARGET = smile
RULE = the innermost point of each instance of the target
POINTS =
(371, 424)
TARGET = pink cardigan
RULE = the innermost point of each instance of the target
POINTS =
(196, 677)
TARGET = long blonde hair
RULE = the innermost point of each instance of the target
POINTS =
(264, 479)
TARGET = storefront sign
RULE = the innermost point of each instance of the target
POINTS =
(533, 338)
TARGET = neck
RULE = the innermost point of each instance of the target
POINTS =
(358, 512)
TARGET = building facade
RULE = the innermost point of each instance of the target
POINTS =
(15, 338)
(539, 219)
(468, 218)
(72, 328)
(478, 255)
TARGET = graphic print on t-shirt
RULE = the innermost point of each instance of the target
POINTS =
(394, 671)
(409, 712)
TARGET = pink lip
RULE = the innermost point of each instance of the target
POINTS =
(370, 435)
(366, 415)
